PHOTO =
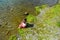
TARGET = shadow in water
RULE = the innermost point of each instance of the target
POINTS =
(28, 25)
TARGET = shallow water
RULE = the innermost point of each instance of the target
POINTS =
(12, 13)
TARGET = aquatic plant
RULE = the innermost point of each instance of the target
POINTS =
(58, 24)
(51, 14)
(21, 32)
(49, 23)
(43, 6)
(31, 18)
(38, 8)
(13, 37)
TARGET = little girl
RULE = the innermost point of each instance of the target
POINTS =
(23, 24)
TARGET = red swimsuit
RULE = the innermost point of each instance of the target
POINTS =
(22, 25)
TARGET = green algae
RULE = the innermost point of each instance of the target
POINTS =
(13, 37)
(51, 14)
(31, 18)
(58, 24)
(21, 32)
(38, 8)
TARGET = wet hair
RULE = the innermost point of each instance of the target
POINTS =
(25, 20)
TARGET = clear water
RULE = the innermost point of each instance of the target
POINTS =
(11, 14)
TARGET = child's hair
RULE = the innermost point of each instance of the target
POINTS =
(25, 20)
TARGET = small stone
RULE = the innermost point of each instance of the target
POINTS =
(26, 13)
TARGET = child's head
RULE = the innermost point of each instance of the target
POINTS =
(25, 20)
